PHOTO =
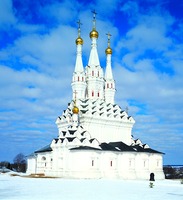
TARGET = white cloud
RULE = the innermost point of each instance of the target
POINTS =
(37, 70)
(131, 8)
(46, 51)
(62, 12)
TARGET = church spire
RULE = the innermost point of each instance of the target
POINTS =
(94, 72)
(79, 79)
(79, 43)
(108, 51)
(93, 59)
(109, 81)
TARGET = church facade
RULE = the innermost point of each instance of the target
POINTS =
(95, 135)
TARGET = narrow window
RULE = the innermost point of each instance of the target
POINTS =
(92, 93)
(111, 163)
(107, 85)
(98, 94)
(111, 85)
(92, 163)
(92, 73)
(82, 78)
(78, 78)
(144, 163)
(98, 73)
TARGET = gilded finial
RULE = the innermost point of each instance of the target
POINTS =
(75, 109)
(109, 37)
(94, 19)
(79, 40)
(79, 27)
(108, 50)
(94, 33)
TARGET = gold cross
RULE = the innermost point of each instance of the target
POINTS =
(108, 36)
(79, 23)
(75, 97)
(94, 14)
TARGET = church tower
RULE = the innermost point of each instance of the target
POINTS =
(94, 72)
(109, 81)
(79, 79)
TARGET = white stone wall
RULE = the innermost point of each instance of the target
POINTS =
(107, 130)
(97, 164)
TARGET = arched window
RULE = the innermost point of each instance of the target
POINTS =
(92, 93)
(78, 78)
(43, 158)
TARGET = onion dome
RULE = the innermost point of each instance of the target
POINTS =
(75, 110)
(79, 40)
(108, 50)
(94, 34)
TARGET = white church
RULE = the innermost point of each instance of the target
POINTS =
(95, 135)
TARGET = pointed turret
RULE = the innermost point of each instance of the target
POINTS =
(109, 81)
(94, 72)
(93, 59)
(79, 43)
(79, 79)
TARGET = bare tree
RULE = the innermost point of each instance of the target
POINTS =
(20, 163)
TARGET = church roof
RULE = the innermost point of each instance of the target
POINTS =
(121, 146)
(46, 148)
(112, 146)
(85, 148)
(140, 148)
(118, 147)
(107, 147)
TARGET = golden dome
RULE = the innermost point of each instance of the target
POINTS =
(108, 50)
(75, 110)
(93, 34)
(79, 40)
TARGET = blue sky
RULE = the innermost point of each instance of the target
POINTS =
(37, 59)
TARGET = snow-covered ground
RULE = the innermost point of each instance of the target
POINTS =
(21, 188)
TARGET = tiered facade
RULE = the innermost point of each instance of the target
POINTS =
(95, 134)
